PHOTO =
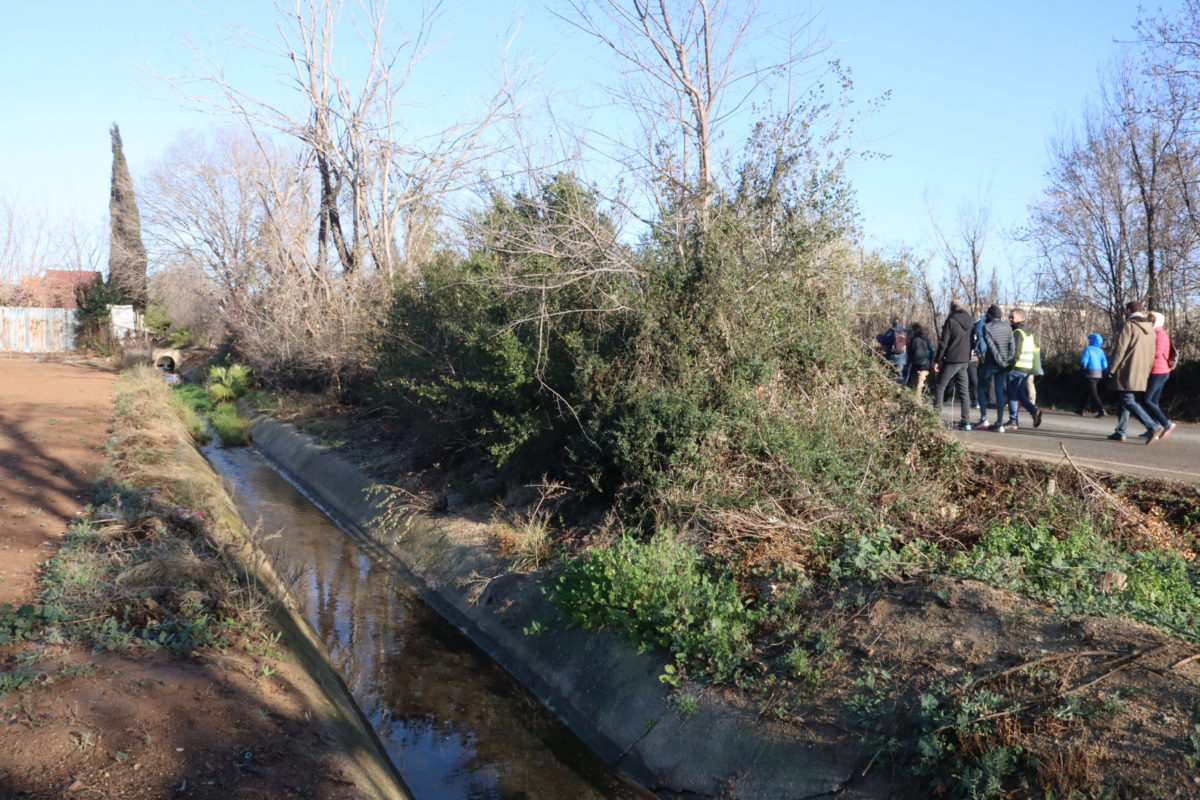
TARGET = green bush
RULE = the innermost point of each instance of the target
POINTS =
(230, 426)
(663, 593)
(92, 317)
(472, 351)
(703, 377)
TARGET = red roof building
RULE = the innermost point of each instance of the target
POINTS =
(56, 287)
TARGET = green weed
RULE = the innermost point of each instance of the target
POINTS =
(27, 621)
(1193, 757)
(1070, 569)
(17, 679)
(663, 593)
(227, 383)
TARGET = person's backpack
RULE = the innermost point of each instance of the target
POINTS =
(899, 342)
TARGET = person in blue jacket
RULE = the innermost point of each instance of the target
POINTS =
(1094, 363)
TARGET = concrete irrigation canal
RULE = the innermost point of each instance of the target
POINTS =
(465, 702)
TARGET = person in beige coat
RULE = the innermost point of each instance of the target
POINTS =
(1130, 364)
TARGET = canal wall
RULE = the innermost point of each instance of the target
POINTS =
(602, 688)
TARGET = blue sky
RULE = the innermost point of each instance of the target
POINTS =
(978, 89)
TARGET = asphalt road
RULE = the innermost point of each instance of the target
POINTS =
(1175, 459)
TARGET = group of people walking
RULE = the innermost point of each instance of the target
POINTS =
(992, 352)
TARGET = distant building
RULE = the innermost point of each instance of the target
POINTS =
(55, 288)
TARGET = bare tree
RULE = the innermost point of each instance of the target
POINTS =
(686, 71)
(229, 223)
(24, 246)
(32, 240)
(381, 180)
(1116, 221)
(962, 252)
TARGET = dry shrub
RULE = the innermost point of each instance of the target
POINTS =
(1069, 769)
(173, 566)
(829, 453)
(528, 535)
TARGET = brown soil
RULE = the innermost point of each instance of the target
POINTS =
(108, 725)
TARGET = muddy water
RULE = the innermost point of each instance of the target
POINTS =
(455, 725)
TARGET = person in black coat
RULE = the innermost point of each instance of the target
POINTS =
(950, 360)
(920, 357)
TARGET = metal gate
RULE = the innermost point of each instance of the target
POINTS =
(37, 330)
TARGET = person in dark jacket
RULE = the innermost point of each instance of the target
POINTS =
(1001, 350)
(894, 342)
(1094, 362)
(950, 360)
(920, 357)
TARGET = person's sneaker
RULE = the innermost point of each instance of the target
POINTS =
(964, 426)
(1117, 437)
(1101, 414)
(999, 429)
(1145, 434)
(975, 406)
(982, 425)
(1167, 431)
(1154, 437)
(1080, 412)
(1012, 425)
(1037, 418)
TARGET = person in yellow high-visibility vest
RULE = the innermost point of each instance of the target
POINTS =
(1028, 362)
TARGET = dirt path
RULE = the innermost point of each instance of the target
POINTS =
(135, 723)
(53, 422)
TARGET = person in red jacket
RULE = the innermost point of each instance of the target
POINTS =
(1158, 375)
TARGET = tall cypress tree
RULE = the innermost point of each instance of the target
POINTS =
(126, 253)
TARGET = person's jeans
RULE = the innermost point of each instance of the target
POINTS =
(1154, 389)
(1129, 405)
(1018, 394)
(899, 361)
(957, 373)
(998, 378)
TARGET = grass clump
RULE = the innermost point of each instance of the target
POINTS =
(230, 426)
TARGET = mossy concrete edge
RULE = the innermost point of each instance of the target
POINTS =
(604, 690)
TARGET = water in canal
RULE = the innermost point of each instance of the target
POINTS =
(456, 725)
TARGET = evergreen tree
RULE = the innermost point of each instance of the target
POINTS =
(127, 254)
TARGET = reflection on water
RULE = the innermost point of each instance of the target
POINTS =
(454, 723)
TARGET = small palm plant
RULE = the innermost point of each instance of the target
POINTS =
(227, 383)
